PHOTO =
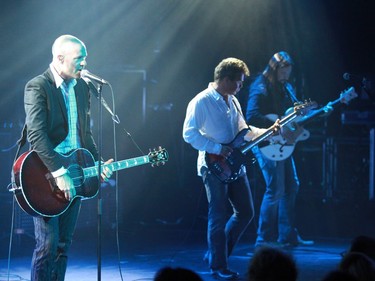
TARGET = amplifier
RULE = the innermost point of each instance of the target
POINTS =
(357, 117)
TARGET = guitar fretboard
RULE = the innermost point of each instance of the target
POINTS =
(119, 165)
(268, 133)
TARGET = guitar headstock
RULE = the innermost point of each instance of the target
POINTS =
(158, 157)
(303, 108)
(348, 95)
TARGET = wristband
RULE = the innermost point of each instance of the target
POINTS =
(60, 172)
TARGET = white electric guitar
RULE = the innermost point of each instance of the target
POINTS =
(277, 148)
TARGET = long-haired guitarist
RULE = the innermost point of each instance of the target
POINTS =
(270, 92)
(57, 106)
(213, 119)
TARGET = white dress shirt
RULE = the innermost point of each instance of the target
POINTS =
(211, 122)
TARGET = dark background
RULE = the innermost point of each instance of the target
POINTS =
(157, 54)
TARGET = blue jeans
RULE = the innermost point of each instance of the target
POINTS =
(53, 238)
(277, 208)
(224, 233)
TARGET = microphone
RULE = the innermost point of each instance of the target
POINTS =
(87, 74)
(348, 76)
(92, 87)
(94, 91)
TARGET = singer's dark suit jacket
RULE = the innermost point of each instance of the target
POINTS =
(47, 121)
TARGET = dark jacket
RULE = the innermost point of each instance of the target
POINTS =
(47, 121)
(266, 99)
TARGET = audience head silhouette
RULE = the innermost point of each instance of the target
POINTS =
(363, 244)
(339, 275)
(358, 265)
(272, 264)
(176, 274)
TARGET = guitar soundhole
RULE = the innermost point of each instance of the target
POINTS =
(76, 173)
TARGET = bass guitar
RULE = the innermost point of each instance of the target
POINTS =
(228, 169)
(36, 191)
(278, 148)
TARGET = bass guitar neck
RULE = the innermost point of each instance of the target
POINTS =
(228, 169)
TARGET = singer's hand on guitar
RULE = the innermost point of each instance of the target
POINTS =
(66, 185)
(106, 171)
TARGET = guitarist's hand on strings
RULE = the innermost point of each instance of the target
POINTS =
(276, 128)
(106, 171)
(66, 185)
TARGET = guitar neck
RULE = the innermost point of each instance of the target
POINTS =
(268, 132)
(119, 165)
(303, 121)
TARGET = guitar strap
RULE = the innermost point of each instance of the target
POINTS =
(240, 112)
(290, 91)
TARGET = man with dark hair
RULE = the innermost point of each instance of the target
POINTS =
(213, 119)
(270, 95)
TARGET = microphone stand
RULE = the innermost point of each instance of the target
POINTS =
(99, 201)
(98, 93)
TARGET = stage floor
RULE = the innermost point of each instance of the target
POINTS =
(142, 255)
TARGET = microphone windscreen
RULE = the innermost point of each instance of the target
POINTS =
(346, 76)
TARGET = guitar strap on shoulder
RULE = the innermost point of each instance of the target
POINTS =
(240, 112)
(289, 89)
